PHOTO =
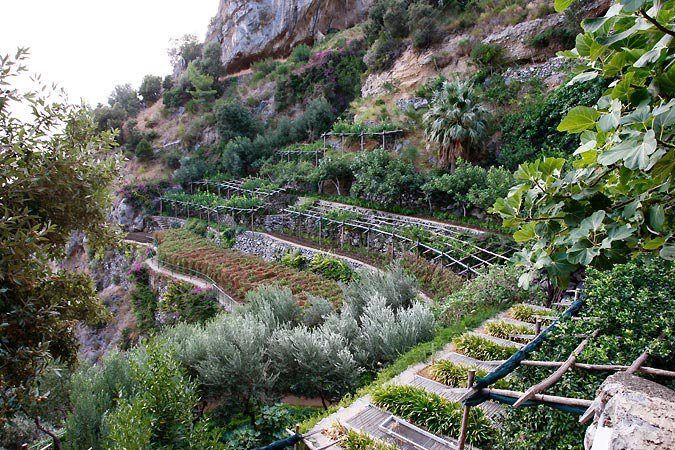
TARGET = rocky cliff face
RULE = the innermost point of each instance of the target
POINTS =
(251, 30)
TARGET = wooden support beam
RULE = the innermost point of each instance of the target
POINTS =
(601, 367)
(557, 375)
(567, 401)
(638, 362)
(461, 442)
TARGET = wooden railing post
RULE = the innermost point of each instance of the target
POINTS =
(465, 414)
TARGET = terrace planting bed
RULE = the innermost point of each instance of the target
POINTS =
(237, 272)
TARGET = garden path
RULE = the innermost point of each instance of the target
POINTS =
(416, 375)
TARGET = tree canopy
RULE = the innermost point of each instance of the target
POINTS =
(615, 198)
(54, 171)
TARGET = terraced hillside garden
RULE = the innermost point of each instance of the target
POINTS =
(237, 272)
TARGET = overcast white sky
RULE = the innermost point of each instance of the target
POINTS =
(89, 46)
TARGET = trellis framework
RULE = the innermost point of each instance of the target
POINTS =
(363, 135)
(227, 188)
(472, 259)
(480, 391)
(303, 151)
(210, 214)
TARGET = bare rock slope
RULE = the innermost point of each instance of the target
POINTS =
(251, 30)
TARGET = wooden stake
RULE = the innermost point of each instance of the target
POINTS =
(537, 327)
(465, 414)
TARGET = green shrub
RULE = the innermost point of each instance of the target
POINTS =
(331, 268)
(334, 75)
(301, 53)
(563, 36)
(143, 301)
(144, 151)
(234, 120)
(197, 226)
(482, 348)
(151, 88)
(161, 412)
(96, 390)
(423, 25)
(504, 330)
(395, 19)
(354, 440)
(342, 215)
(527, 313)
(631, 305)
(295, 260)
(383, 53)
(488, 56)
(434, 279)
(188, 303)
(531, 131)
(434, 413)
(470, 186)
(498, 286)
(383, 178)
(454, 374)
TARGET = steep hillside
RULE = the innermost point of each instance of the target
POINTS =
(249, 31)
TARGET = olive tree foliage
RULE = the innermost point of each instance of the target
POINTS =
(313, 362)
(50, 151)
(229, 358)
(615, 199)
(387, 332)
(397, 288)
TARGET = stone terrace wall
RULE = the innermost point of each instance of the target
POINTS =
(271, 249)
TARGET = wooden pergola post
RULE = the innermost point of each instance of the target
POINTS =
(461, 442)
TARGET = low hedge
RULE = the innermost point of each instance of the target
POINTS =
(481, 348)
(436, 414)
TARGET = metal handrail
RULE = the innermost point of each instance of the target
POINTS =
(230, 302)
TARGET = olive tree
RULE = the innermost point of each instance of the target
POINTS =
(313, 363)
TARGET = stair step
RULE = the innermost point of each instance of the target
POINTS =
(496, 340)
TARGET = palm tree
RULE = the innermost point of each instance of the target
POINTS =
(456, 121)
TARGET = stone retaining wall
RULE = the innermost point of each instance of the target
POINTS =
(271, 249)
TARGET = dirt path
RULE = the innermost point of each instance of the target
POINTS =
(199, 282)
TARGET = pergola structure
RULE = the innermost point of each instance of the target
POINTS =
(479, 390)
(459, 251)
(305, 151)
(227, 188)
(363, 135)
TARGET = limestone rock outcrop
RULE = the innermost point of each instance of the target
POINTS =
(632, 413)
(252, 30)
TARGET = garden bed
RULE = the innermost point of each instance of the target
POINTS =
(239, 273)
